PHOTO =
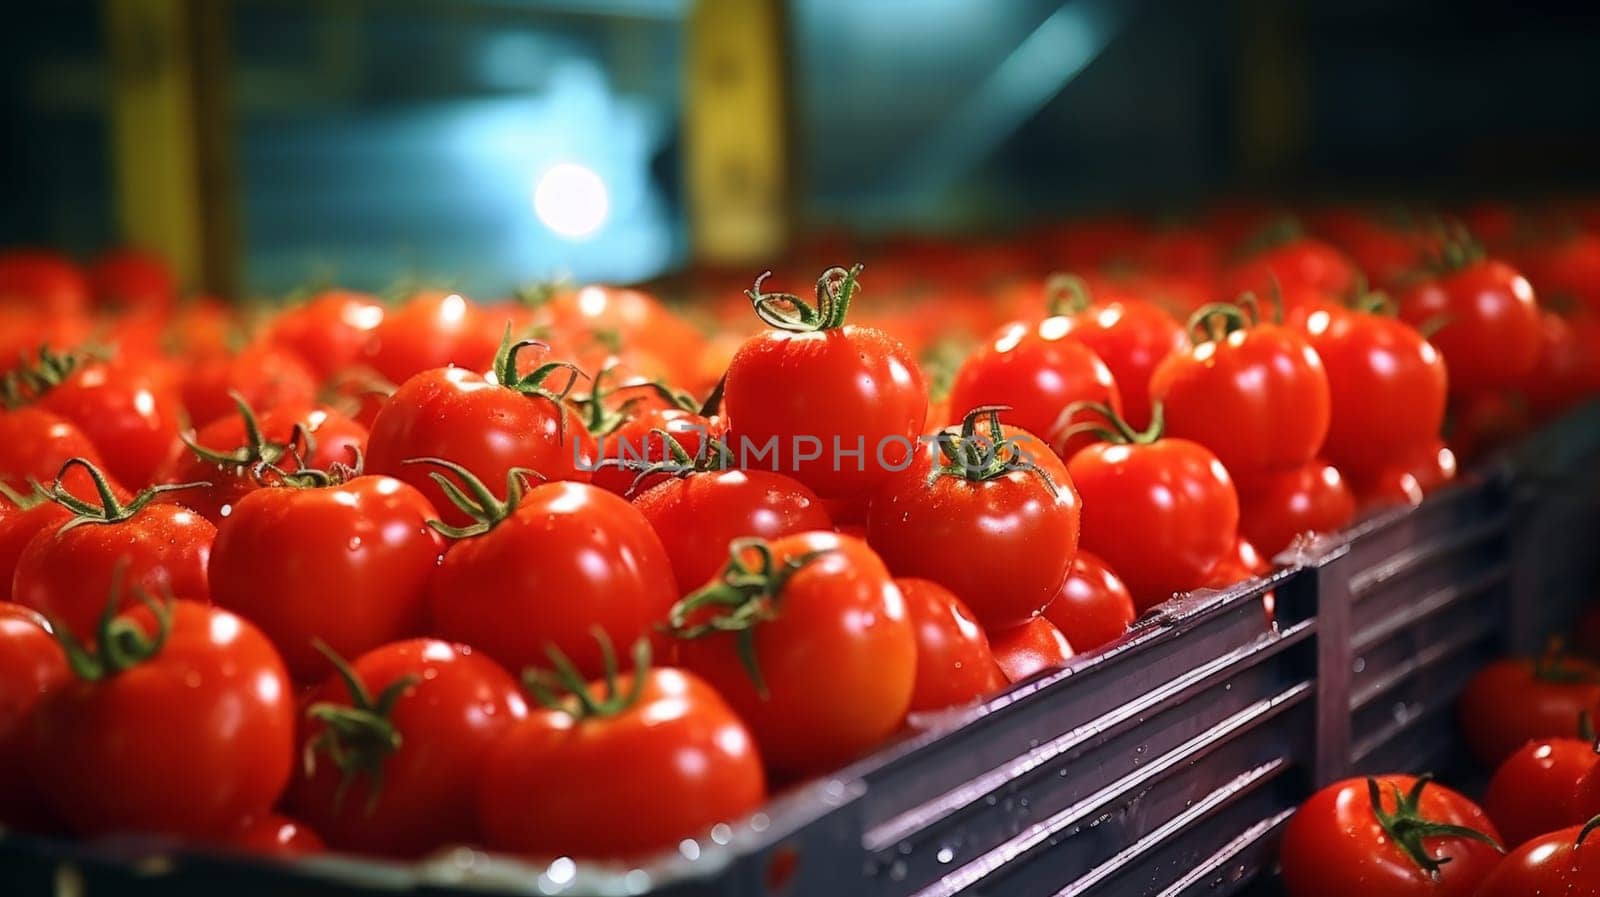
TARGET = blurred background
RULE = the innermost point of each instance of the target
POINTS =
(265, 145)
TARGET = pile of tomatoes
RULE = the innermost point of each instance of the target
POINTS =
(583, 573)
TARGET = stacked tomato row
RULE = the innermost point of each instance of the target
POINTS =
(360, 573)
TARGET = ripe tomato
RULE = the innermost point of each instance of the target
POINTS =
(114, 548)
(1161, 511)
(1254, 393)
(954, 663)
(187, 681)
(32, 665)
(1028, 648)
(1392, 836)
(18, 524)
(394, 743)
(1569, 271)
(1486, 318)
(487, 426)
(807, 638)
(1276, 507)
(122, 407)
(620, 767)
(41, 280)
(346, 563)
(273, 835)
(262, 374)
(624, 420)
(1568, 370)
(1132, 337)
(129, 280)
(635, 320)
(1387, 385)
(36, 445)
(1243, 563)
(329, 331)
(1292, 264)
(1093, 606)
(432, 330)
(546, 567)
(1406, 479)
(1517, 700)
(1564, 863)
(1533, 791)
(990, 515)
(836, 406)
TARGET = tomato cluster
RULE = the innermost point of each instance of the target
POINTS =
(584, 573)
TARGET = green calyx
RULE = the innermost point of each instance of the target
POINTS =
(1406, 827)
(1583, 834)
(257, 449)
(1214, 321)
(786, 311)
(475, 499)
(977, 457)
(1066, 294)
(303, 477)
(110, 509)
(1111, 427)
(22, 501)
(1280, 231)
(713, 456)
(565, 690)
(119, 642)
(358, 736)
(1552, 666)
(36, 376)
(602, 417)
(743, 597)
(1456, 249)
(532, 384)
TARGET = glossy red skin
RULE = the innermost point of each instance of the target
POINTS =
(1552, 865)
(273, 835)
(1334, 846)
(1490, 336)
(638, 321)
(126, 412)
(850, 387)
(67, 576)
(633, 441)
(433, 330)
(1533, 790)
(35, 443)
(330, 331)
(1258, 398)
(264, 374)
(32, 665)
(461, 703)
(1093, 607)
(1243, 563)
(670, 767)
(1038, 370)
(696, 517)
(17, 528)
(1568, 371)
(571, 558)
(131, 280)
(1132, 337)
(1408, 478)
(1278, 506)
(1304, 264)
(1569, 270)
(190, 742)
(1029, 648)
(1003, 545)
(347, 564)
(839, 661)
(41, 280)
(1506, 706)
(1163, 515)
(955, 665)
(1387, 383)
(454, 414)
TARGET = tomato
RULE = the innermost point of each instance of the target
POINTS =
(836, 406)
(1485, 422)
(1243, 563)
(1131, 336)
(346, 563)
(18, 525)
(487, 426)
(1569, 271)
(621, 767)
(1387, 384)
(359, 394)
(329, 331)
(1254, 393)
(1486, 318)
(432, 330)
(273, 835)
(1564, 863)
(990, 515)
(32, 665)
(1297, 264)
(1093, 606)
(1514, 701)
(1533, 790)
(807, 638)
(1408, 477)
(1362, 837)
(394, 742)
(184, 734)
(546, 567)
(121, 407)
(36, 444)
(131, 280)
(1161, 511)
(262, 374)
(1028, 648)
(41, 280)
(630, 318)
(1276, 507)
(955, 665)
(625, 432)
(1568, 370)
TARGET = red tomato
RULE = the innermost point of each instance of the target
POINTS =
(630, 318)
(41, 280)
(1568, 371)
(1243, 563)
(32, 665)
(1408, 478)
(17, 528)
(1257, 396)
(1487, 322)
(211, 692)
(840, 406)
(824, 665)
(264, 375)
(36, 444)
(992, 516)
(1363, 837)
(1569, 271)
(130, 280)
(622, 767)
(954, 663)
(273, 835)
(1028, 648)
(1563, 863)
(1296, 265)
(1514, 701)
(346, 563)
(635, 442)
(1276, 507)
(125, 410)
(546, 568)
(432, 330)
(108, 552)
(1093, 607)
(329, 331)
(359, 394)
(1532, 792)
(1131, 336)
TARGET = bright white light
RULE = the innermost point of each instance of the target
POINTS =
(572, 201)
